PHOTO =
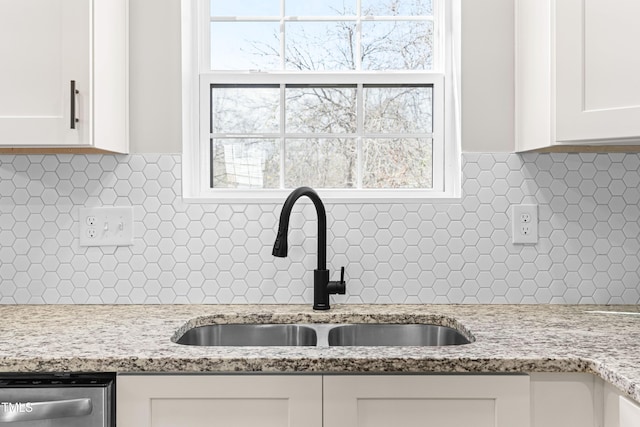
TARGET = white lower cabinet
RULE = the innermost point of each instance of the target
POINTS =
(322, 401)
(579, 400)
(566, 400)
(628, 413)
(619, 410)
(426, 400)
(534, 400)
(219, 400)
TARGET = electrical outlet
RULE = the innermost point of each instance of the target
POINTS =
(525, 224)
(106, 226)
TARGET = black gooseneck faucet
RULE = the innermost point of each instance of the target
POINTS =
(322, 287)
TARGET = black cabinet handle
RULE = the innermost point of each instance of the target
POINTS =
(74, 92)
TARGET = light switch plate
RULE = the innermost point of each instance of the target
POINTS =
(106, 226)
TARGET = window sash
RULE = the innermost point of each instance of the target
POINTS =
(206, 20)
(281, 79)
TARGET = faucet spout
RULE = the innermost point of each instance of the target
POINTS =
(322, 287)
(280, 247)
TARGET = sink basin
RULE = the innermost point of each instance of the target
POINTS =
(322, 335)
(250, 335)
(372, 334)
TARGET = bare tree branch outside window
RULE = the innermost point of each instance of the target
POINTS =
(328, 138)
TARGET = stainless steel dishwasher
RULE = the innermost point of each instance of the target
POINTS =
(57, 400)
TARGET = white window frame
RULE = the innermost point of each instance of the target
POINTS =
(197, 79)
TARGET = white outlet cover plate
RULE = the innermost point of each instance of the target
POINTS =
(113, 226)
(516, 219)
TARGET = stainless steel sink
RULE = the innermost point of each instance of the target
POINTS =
(250, 335)
(322, 335)
(372, 334)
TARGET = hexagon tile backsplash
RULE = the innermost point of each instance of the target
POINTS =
(588, 250)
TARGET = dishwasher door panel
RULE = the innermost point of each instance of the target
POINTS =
(54, 407)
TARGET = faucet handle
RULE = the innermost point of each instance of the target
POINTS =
(338, 287)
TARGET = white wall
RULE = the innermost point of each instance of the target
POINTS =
(154, 75)
(487, 74)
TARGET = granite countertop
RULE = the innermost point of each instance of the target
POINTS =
(602, 340)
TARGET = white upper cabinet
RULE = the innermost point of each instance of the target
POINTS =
(64, 74)
(577, 73)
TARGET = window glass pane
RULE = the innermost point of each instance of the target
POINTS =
(320, 110)
(397, 45)
(397, 7)
(320, 8)
(245, 110)
(245, 45)
(246, 163)
(321, 163)
(397, 163)
(398, 109)
(313, 46)
(245, 8)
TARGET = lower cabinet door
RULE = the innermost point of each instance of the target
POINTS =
(219, 400)
(629, 413)
(426, 400)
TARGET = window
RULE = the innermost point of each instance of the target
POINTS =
(352, 97)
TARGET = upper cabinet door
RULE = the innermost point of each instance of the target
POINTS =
(597, 70)
(44, 46)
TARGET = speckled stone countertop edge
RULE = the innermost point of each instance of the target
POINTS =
(509, 339)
